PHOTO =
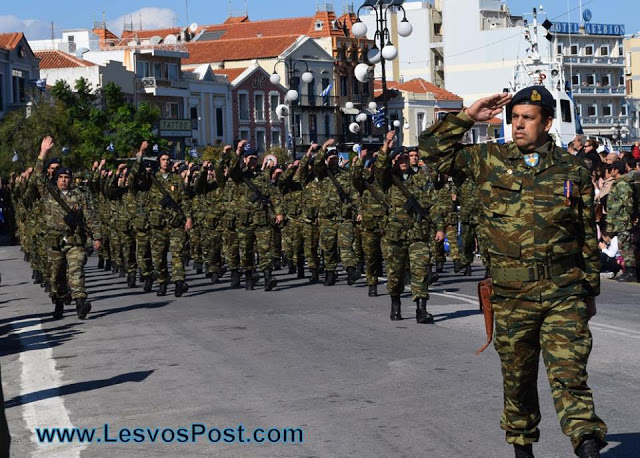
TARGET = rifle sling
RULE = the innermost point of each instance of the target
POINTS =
(65, 206)
(343, 196)
(254, 189)
(376, 195)
(165, 193)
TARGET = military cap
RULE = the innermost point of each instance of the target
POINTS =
(250, 152)
(396, 152)
(54, 160)
(331, 152)
(533, 95)
(163, 153)
(62, 171)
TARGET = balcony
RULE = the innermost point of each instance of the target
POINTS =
(317, 101)
(162, 87)
(594, 60)
(604, 121)
(599, 90)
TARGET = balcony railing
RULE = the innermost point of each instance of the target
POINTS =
(153, 82)
(594, 60)
(599, 90)
(607, 121)
(306, 100)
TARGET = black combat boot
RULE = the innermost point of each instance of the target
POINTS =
(589, 448)
(360, 267)
(198, 267)
(214, 277)
(67, 298)
(487, 273)
(249, 283)
(235, 279)
(37, 277)
(432, 277)
(396, 315)
(629, 275)
(523, 451)
(353, 275)
(181, 288)
(330, 278)
(121, 272)
(162, 289)
(315, 278)
(100, 262)
(83, 307)
(59, 310)
(107, 264)
(467, 270)
(373, 290)
(131, 280)
(208, 274)
(148, 284)
(457, 265)
(277, 264)
(269, 280)
(439, 266)
(47, 286)
(292, 267)
(300, 267)
(422, 316)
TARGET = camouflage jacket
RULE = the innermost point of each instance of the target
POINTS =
(539, 220)
(310, 196)
(469, 200)
(331, 206)
(373, 200)
(54, 214)
(620, 206)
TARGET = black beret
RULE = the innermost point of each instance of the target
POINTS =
(331, 152)
(54, 160)
(533, 95)
(163, 153)
(250, 152)
(62, 171)
(396, 152)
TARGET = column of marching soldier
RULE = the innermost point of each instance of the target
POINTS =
(231, 215)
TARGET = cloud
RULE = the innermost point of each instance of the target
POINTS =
(34, 29)
(151, 18)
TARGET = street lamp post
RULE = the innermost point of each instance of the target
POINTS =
(618, 133)
(292, 94)
(386, 51)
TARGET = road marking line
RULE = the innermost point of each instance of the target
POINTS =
(38, 374)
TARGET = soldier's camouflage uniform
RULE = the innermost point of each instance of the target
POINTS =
(293, 232)
(469, 220)
(619, 214)
(309, 202)
(544, 263)
(211, 193)
(448, 208)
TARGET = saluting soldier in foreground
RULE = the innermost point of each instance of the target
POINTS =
(537, 200)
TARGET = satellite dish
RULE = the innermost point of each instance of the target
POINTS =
(170, 39)
(193, 28)
(155, 40)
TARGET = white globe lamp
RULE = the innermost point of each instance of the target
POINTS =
(406, 126)
(274, 78)
(373, 56)
(307, 77)
(354, 127)
(359, 29)
(362, 117)
(373, 106)
(361, 72)
(396, 123)
(282, 111)
(389, 52)
(292, 95)
(349, 105)
(405, 28)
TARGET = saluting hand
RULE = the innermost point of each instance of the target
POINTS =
(45, 146)
(485, 109)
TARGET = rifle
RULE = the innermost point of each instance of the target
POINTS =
(74, 219)
(376, 195)
(168, 202)
(343, 195)
(257, 196)
(412, 206)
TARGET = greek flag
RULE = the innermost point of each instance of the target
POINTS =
(15, 156)
(110, 148)
(65, 150)
(379, 118)
(193, 152)
(325, 94)
(156, 148)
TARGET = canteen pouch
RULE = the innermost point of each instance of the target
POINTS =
(369, 222)
(53, 240)
(394, 232)
(346, 212)
(260, 218)
(140, 222)
(155, 219)
(244, 218)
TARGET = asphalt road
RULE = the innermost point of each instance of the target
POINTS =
(326, 360)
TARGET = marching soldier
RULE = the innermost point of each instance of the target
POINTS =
(538, 205)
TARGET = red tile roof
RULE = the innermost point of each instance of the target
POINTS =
(236, 19)
(59, 59)
(146, 34)
(230, 73)
(418, 86)
(268, 28)
(202, 52)
(10, 40)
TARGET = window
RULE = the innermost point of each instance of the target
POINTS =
(365, 88)
(297, 127)
(591, 80)
(623, 109)
(437, 29)
(313, 128)
(142, 69)
(356, 86)
(607, 110)
(261, 141)
(276, 138)
(565, 110)
(604, 50)
(574, 50)
(1, 92)
(579, 110)
(243, 106)
(441, 115)
(19, 80)
(621, 80)
(172, 72)
(274, 101)
(592, 110)
(157, 70)
(72, 44)
(420, 122)
(606, 80)
(194, 117)
(327, 126)
(173, 110)
(575, 79)
(258, 102)
(588, 50)
(559, 49)
(245, 134)
(344, 91)
(620, 51)
(219, 123)
(311, 94)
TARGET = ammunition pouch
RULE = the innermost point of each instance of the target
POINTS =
(73, 220)
(346, 212)
(176, 219)
(141, 222)
(260, 218)
(229, 221)
(395, 231)
(369, 222)
(155, 219)
(53, 240)
(244, 218)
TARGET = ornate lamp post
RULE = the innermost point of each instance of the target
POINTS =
(382, 38)
(292, 94)
(619, 133)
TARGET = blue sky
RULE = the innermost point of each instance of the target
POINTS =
(34, 16)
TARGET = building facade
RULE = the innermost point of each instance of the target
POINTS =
(632, 82)
(18, 71)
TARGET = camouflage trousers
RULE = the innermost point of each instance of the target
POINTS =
(451, 230)
(66, 264)
(115, 247)
(470, 235)
(559, 329)
(105, 249)
(627, 248)
(358, 249)
(212, 248)
(372, 246)
(311, 241)
(143, 252)
(293, 239)
(276, 243)
(231, 247)
(337, 235)
(414, 254)
(252, 239)
(195, 242)
(163, 240)
(128, 248)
